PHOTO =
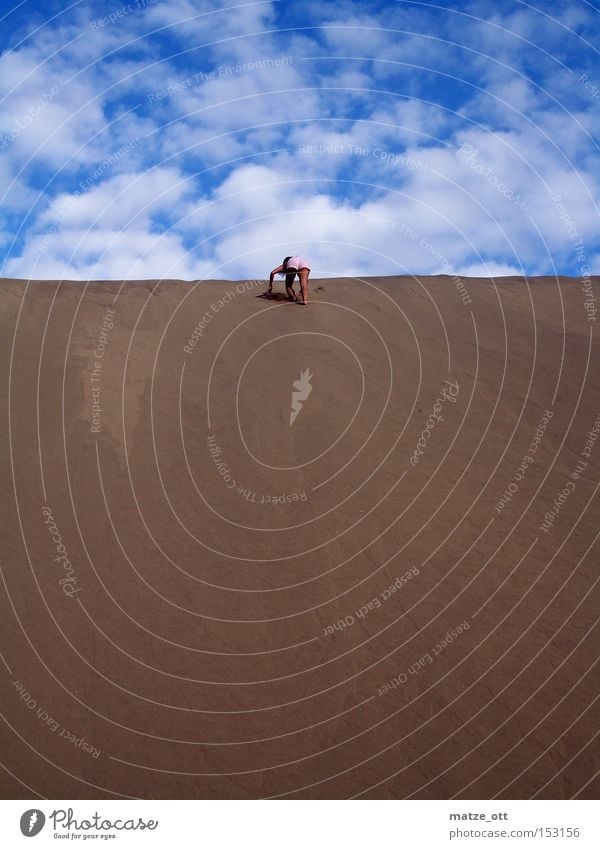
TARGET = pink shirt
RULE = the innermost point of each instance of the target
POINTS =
(297, 262)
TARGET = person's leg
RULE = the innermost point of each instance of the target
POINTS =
(303, 275)
(289, 285)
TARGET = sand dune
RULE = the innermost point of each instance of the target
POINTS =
(394, 595)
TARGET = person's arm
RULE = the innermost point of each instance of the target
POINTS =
(272, 275)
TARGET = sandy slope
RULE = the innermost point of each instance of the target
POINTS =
(206, 601)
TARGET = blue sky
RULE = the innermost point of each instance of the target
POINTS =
(189, 139)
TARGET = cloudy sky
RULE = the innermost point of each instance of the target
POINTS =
(209, 138)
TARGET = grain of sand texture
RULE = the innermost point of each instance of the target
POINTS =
(393, 596)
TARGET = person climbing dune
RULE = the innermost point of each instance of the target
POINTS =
(289, 268)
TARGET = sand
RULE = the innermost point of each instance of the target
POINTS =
(394, 596)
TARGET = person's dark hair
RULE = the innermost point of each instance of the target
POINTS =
(284, 263)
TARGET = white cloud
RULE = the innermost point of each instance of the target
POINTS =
(110, 224)
(489, 269)
(105, 254)
(212, 22)
(120, 200)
